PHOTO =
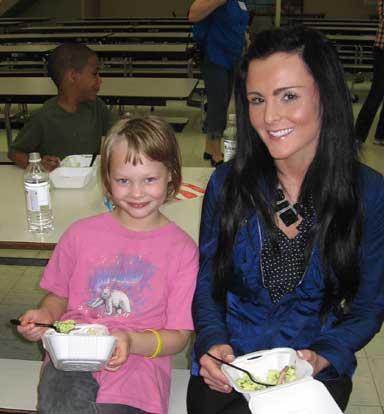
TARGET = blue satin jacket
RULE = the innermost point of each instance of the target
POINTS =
(249, 321)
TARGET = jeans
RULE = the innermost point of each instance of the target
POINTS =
(74, 392)
(219, 86)
(373, 101)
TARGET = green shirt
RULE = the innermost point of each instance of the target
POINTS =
(53, 131)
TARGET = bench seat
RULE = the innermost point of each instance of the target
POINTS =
(19, 379)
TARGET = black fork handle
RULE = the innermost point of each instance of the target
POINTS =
(44, 325)
(240, 369)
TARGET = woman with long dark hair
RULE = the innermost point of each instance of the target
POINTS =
(292, 230)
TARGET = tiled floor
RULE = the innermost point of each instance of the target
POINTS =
(19, 285)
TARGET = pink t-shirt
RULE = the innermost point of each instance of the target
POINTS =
(131, 281)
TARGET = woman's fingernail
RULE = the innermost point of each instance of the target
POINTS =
(226, 387)
(300, 354)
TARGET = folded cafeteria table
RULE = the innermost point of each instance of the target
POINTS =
(114, 91)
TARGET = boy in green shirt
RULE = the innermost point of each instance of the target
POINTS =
(74, 121)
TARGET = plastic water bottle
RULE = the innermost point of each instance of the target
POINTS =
(37, 195)
(230, 138)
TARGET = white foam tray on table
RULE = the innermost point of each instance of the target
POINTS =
(74, 172)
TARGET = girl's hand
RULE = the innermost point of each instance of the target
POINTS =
(28, 329)
(317, 361)
(210, 369)
(121, 352)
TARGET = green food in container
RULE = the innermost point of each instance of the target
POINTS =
(246, 384)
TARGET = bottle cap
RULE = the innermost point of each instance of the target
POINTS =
(34, 157)
(232, 118)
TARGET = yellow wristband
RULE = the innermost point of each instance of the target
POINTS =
(159, 346)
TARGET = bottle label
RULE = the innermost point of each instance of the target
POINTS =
(229, 149)
(37, 195)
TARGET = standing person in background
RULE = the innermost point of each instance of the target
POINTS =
(72, 122)
(376, 92)
(292, 229)
(220, 31)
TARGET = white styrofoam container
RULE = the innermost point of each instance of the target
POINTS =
(308, 396)
(303, 396)
(76, 161)
(79, 351)
(74, 172)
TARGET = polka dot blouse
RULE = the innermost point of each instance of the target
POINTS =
(283, 259)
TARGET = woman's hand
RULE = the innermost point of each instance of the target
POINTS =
(317, 361)
(210, 369)
(121, 352)
(27, 327)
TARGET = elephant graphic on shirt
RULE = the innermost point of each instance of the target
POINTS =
(115, 301)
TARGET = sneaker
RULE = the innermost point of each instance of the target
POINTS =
(378, 141)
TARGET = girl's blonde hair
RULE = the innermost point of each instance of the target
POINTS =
(145, 135)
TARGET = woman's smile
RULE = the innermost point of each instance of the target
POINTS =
(281, 133)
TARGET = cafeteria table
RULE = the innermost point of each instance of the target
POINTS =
(352, 39)
(15, 38)
(69, 205)
(346, 30)
(174, 51)
(97, 37)
(134, 37)
(347, 23)
(7, 26)
(37, 51)
(129, 27)
(114, 91)
(337, 22)
(149, 51)
(129, 20)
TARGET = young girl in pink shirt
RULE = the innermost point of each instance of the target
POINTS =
(130, 269)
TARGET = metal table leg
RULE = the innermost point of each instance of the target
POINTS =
(7, 122)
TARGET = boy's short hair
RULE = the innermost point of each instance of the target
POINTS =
(145, 135)
(67, 56)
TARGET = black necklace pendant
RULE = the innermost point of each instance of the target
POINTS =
(284, 209)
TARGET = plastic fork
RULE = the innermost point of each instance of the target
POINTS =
(44, 325)
(251, 377)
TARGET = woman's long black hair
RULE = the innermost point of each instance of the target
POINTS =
(331, 179)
